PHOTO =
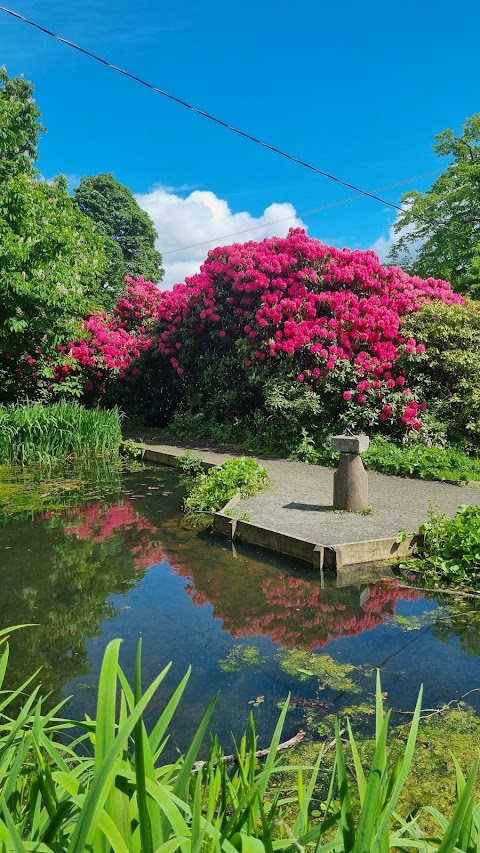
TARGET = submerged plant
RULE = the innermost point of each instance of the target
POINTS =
(239, 657)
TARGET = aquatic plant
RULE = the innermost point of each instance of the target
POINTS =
(239, 657)
(327, 671)
(110, 789)
(32, 432)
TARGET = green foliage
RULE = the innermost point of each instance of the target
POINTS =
(31, 432)
(131, 449)
(104, 784)
(52, 261)
(450, 554)
(259, 435)
(19, 126)
(448, 245)
(118, 216)
(212, 490)
(447, 375)
(190, 467)
(418, 460)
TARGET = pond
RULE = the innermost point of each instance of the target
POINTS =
(110, 556)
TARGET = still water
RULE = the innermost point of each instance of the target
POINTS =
(115, 559)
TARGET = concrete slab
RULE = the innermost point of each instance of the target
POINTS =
(299, 505)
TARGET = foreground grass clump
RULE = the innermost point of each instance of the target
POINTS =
(450, 553)
(210, 491)
(111, 789)
(32, 432)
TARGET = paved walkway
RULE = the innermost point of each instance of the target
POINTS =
(299, 501)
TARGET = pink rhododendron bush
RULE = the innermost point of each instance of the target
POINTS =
(285, 326)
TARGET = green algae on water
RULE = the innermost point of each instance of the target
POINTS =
(239, 657)
(330, 673)
(27, 491)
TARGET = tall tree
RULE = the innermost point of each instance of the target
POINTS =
(52, 262)
(117, 215)
(20, 127)
(439, 230)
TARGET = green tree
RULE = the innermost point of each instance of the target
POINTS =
(445, 241)
(52, 261)
(117, 215)
(19, 126)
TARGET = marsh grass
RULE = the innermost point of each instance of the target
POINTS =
(33, 433)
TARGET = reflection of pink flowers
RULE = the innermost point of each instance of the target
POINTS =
(98, 522)
(295, 612)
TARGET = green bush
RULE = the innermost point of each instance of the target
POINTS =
(447, 376)
(212, 490)
(450, 553)
(32, 432)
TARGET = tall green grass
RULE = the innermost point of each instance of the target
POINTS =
(111, 789)
(31, 432)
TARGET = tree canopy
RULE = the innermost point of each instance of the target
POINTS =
(439, 230)
(117, 215)
(52, 261)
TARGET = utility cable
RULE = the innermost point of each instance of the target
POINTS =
(217, 120)
(300, 213)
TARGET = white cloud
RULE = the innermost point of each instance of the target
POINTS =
(204, 218)
(384, 243)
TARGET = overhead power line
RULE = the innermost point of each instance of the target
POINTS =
(300, 213)
(215, 119)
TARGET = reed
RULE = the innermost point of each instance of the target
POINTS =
(110, 788)
(34, 433)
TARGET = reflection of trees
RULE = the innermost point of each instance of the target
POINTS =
(82, 556)
(464, 625)
(252, 598)
(64, 586)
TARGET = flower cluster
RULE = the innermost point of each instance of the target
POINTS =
(320, 307)
(331, 315)
(113, 343)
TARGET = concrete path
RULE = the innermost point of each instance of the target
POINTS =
(299, 501)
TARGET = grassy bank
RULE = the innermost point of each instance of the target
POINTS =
(32, 433)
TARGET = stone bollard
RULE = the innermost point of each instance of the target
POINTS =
(350, 481)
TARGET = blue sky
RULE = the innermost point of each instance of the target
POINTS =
(359, 90)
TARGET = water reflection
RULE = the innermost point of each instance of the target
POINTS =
(80, 573)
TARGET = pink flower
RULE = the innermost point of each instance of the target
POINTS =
(347, 395)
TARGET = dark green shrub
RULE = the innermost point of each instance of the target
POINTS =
(447, 376)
